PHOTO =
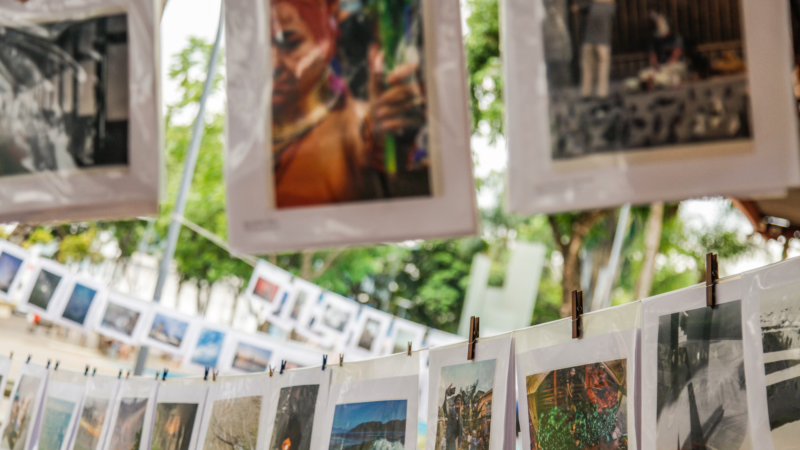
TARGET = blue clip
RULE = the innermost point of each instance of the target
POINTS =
(29, 359)
(94, 371)
(120, 374)
(205, 377)
(164, 375)
(324, 361)
(48, 364)
(86, 372)
(56, 367)
(283, 366)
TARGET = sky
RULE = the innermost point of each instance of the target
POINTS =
(347, 416)
(463, 375)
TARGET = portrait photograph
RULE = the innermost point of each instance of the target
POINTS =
(294, 418)
(208, 348)
(173, 426)
(369, 425)
(10, 266)
(465, 405)
(579, 407)
(168, 330)
(251, 358)
(90, 424)
(234, 424)
(21, 412)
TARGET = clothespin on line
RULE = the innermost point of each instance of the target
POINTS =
(472, 339)
(409, 348)
(712, 277)
(324, 361)
(271, 370)
(214, 374)
(577, 314)
(205, 375)
(341, 360)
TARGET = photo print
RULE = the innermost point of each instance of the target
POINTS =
(401, 332)
(95, 412)
(298, 309)
(23, 408)
(168, 330)
(12, 261)
(44, 289)
(208, 348)
(251, 354)
(127, 432)
(234, 424)
(176, 422)
(83, 298)
(63, 396)
(701, 394)
(371, 331)
(122, 318)
(465, 405)
(369, 425)
(579, 407)
(269, 289)
(335, 317)
(294, 418)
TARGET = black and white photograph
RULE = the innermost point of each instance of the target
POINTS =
(701, 390)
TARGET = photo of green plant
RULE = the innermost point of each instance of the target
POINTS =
(581, 407)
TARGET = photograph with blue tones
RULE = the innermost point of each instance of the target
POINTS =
(9, 266)
(209, 347)
(56, 419)
(168, 330)
(465, 396)
(377, 425)
(79, 303)
(44, 288)
(249, 358)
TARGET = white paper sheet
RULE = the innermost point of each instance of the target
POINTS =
(94, 421)
(13, 262)
(123, 318)
(62, 403)
(178, 412)
(131, 416)
(23, 413)
(297, 405)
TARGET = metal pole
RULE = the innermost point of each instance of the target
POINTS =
(186, 181)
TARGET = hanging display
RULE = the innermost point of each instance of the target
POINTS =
(168, 330)
(207, 347)
(269, 289)
(123, 319)
(22, 415)
(355, 132)
(695, 381)
(469, 401)
(81, 129)
(178, 411)
(235, 415)
(12, 263)
(373, 404)
(297, 404)
(370, 332)
(580, 393)
(61, 406)
(401, 332)
(299, 309)
(45, 288)
(611, 102)
(82, 301)
(250, 354)
(335, 317)
(93, 424)
(134, 403)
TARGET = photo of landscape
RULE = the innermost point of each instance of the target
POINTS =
(234, 424)
(701, 390)
(127, 431)
(294, 418)
(465, 405)
(582, 407)
(15, 433)
(379, 425)
(209, 346)
(9, 266)
(168, 330)
(91, 423)
(120, 319)
(173, 425)
(79, 303)
(55, 422)
(249, 358)
(44, 288)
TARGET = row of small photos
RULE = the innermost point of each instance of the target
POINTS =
(666, 372)
(330, 323)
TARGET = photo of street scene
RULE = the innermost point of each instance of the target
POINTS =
(209, 346)
(582, 407)
(9, 267)
(173, 425)
(377, 425)
(64, 96)
(234, 424)
(780, 331)
(91, 423)
(79, 303)
(638, 75)
(701, 391)
(55, 421)
(120, 319)
(368, 334)
(294, 418)
(15, 433)
(127, 431)
(249, 358)
(168, 330)
(43, 289)
(465, 406)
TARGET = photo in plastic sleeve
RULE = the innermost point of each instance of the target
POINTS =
(581, 407)
(465, 405)
(349, 116)
(208, 348)
(701, 394)
(780, 339)
(369, 425)
(173, 426)
(90, 425)
(22, 412)
(629, 76)
(64, 395)
(129, 425)
(65, 96)
(294, 418)
(234, 424)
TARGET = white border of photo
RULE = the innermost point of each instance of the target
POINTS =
(54, 304)
(66, 386)
(384, 321)
(104, 388)
(42, 374)
(181, 391)
(194, 339)
(272, 274)
(158, 310)
(129, 303)
(285, 321)
(299, 377)
(16, 283)
(335, 338)
(97, 305)
(412, 328)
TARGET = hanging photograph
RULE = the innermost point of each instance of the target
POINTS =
(354, 118)
(297, 402)
(235, 415)
(252, 353)
(62, 400)
(80, 129)
(335, 317)
(373, 405)
(168, 330)
(631, 86)
(93, 423)
(401, 332)
(12, 263)
(131, 410)
(298, 309)
(269, 289)
(371, 331)
(122, 318)
(207, 347)
(82, 299)
(23, 408)
(43, 293)
(176, 421)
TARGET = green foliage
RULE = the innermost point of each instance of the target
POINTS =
(483, 65)
(555, 430)
(593, 426)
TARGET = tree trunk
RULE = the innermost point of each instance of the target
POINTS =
(652, 241)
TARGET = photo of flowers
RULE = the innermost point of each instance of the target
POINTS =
(465, 405)
(369, 425)
(582, 407)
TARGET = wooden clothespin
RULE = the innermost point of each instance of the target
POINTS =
(577, 314)
(205, 377)
(271, 370)
(157, 374)
(128, 375)
(283, 366)
(409, 348)
(324, 361)
(214, 375)
(11, 355)
(56, 367)
(712, 276)
(472, 339)
(341, 360)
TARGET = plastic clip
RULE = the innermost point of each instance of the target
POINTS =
(712, 276)
(48, 364)
(94, 371)
(29, 359)
(205, 376)
(86, 372)
(56, 367)
(283, 366)
(324, 361)
(119, 376)
(577, 314)
(164, 375)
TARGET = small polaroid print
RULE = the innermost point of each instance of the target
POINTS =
(168, 330)
(123, 318)
(43, 294)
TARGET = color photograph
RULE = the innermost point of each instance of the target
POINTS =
(335, 318)
(349, 107)
(79, 303)
(249, 358)
(294, 418)
(368, 334)
(91, 423)
(377, 425)
(701, 394)
(9, 267)
(402, 340)
(780, 331)
(172, 426)
(15, 434)
(582, 407)
(58, 112)
(209, 347)
(465, 406)
(299, 303)
(265, 289)
(234, 424)
(120, 319)
(168, 330)
(638, 75)
(43, 289)
(127, 433)
(55, 422)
